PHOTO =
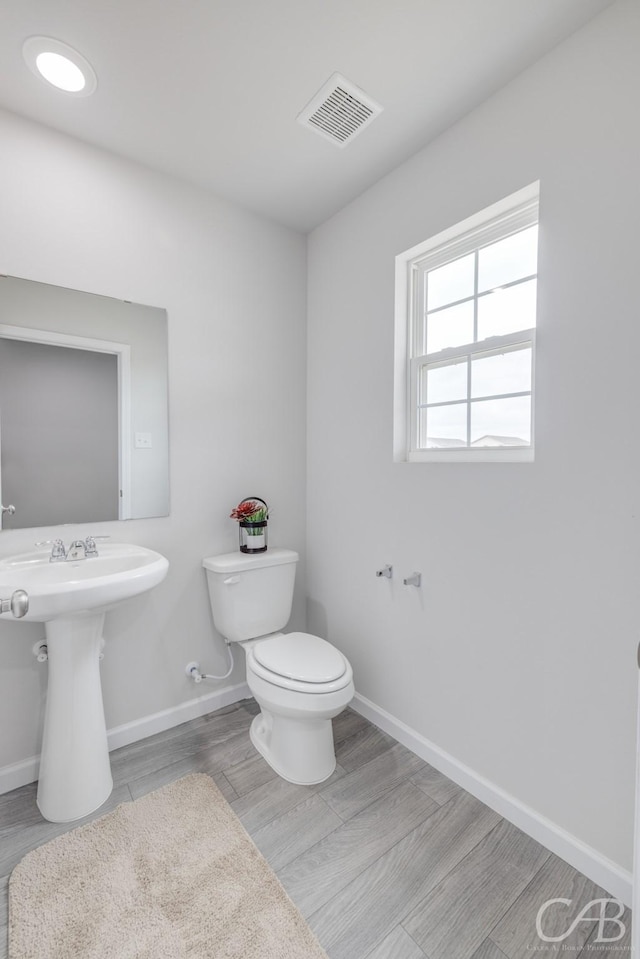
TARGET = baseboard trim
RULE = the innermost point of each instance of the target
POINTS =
(26, 771)
(19, 774)
(604, 872)
(192, 709)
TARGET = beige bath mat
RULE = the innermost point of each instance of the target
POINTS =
(171, 875)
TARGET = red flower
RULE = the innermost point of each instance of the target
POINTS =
(245, 510)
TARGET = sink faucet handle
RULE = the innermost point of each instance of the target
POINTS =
(90, 548)
(57, 549)
(90, 545)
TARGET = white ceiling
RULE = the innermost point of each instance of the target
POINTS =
(209, 90)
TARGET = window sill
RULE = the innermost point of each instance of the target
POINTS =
(483, 455)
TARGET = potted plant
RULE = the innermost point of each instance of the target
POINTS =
(252, 514)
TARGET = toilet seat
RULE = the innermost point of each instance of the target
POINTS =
(300, 662)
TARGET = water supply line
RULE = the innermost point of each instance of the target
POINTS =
(193, 670)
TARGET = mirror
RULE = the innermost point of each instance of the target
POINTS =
(83, 407)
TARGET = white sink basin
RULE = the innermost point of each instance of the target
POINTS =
(72, 597)
(121, 570)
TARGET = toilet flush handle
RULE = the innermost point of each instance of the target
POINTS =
(231, 580)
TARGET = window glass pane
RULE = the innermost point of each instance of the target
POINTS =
(443, 383)
(509, 259)
(502, 373)
(501, 422)
(451, 327)
(451, 282)
(443, 427)
(507, 311)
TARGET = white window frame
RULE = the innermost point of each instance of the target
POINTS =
(514, 213)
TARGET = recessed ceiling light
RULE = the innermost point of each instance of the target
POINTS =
(61, 65)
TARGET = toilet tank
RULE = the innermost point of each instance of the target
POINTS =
(251, 594)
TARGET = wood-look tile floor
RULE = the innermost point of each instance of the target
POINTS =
(388, 859)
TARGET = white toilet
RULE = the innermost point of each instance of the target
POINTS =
(299, 681)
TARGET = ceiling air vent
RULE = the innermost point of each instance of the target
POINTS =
(339, 111)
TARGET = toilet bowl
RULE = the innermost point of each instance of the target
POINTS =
(300, 681)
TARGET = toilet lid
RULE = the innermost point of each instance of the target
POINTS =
(301, 656)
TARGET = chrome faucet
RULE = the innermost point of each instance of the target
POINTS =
(79, 549)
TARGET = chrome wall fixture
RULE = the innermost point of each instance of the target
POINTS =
(414, 580)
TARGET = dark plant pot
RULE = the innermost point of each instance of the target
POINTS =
(253, 536)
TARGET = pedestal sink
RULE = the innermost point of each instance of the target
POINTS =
(72, 597)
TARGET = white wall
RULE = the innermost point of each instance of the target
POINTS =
(233, 286)
(517, 657)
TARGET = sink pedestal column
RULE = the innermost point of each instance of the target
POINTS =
(75, 773)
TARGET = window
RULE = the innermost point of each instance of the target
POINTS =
(467, 306)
